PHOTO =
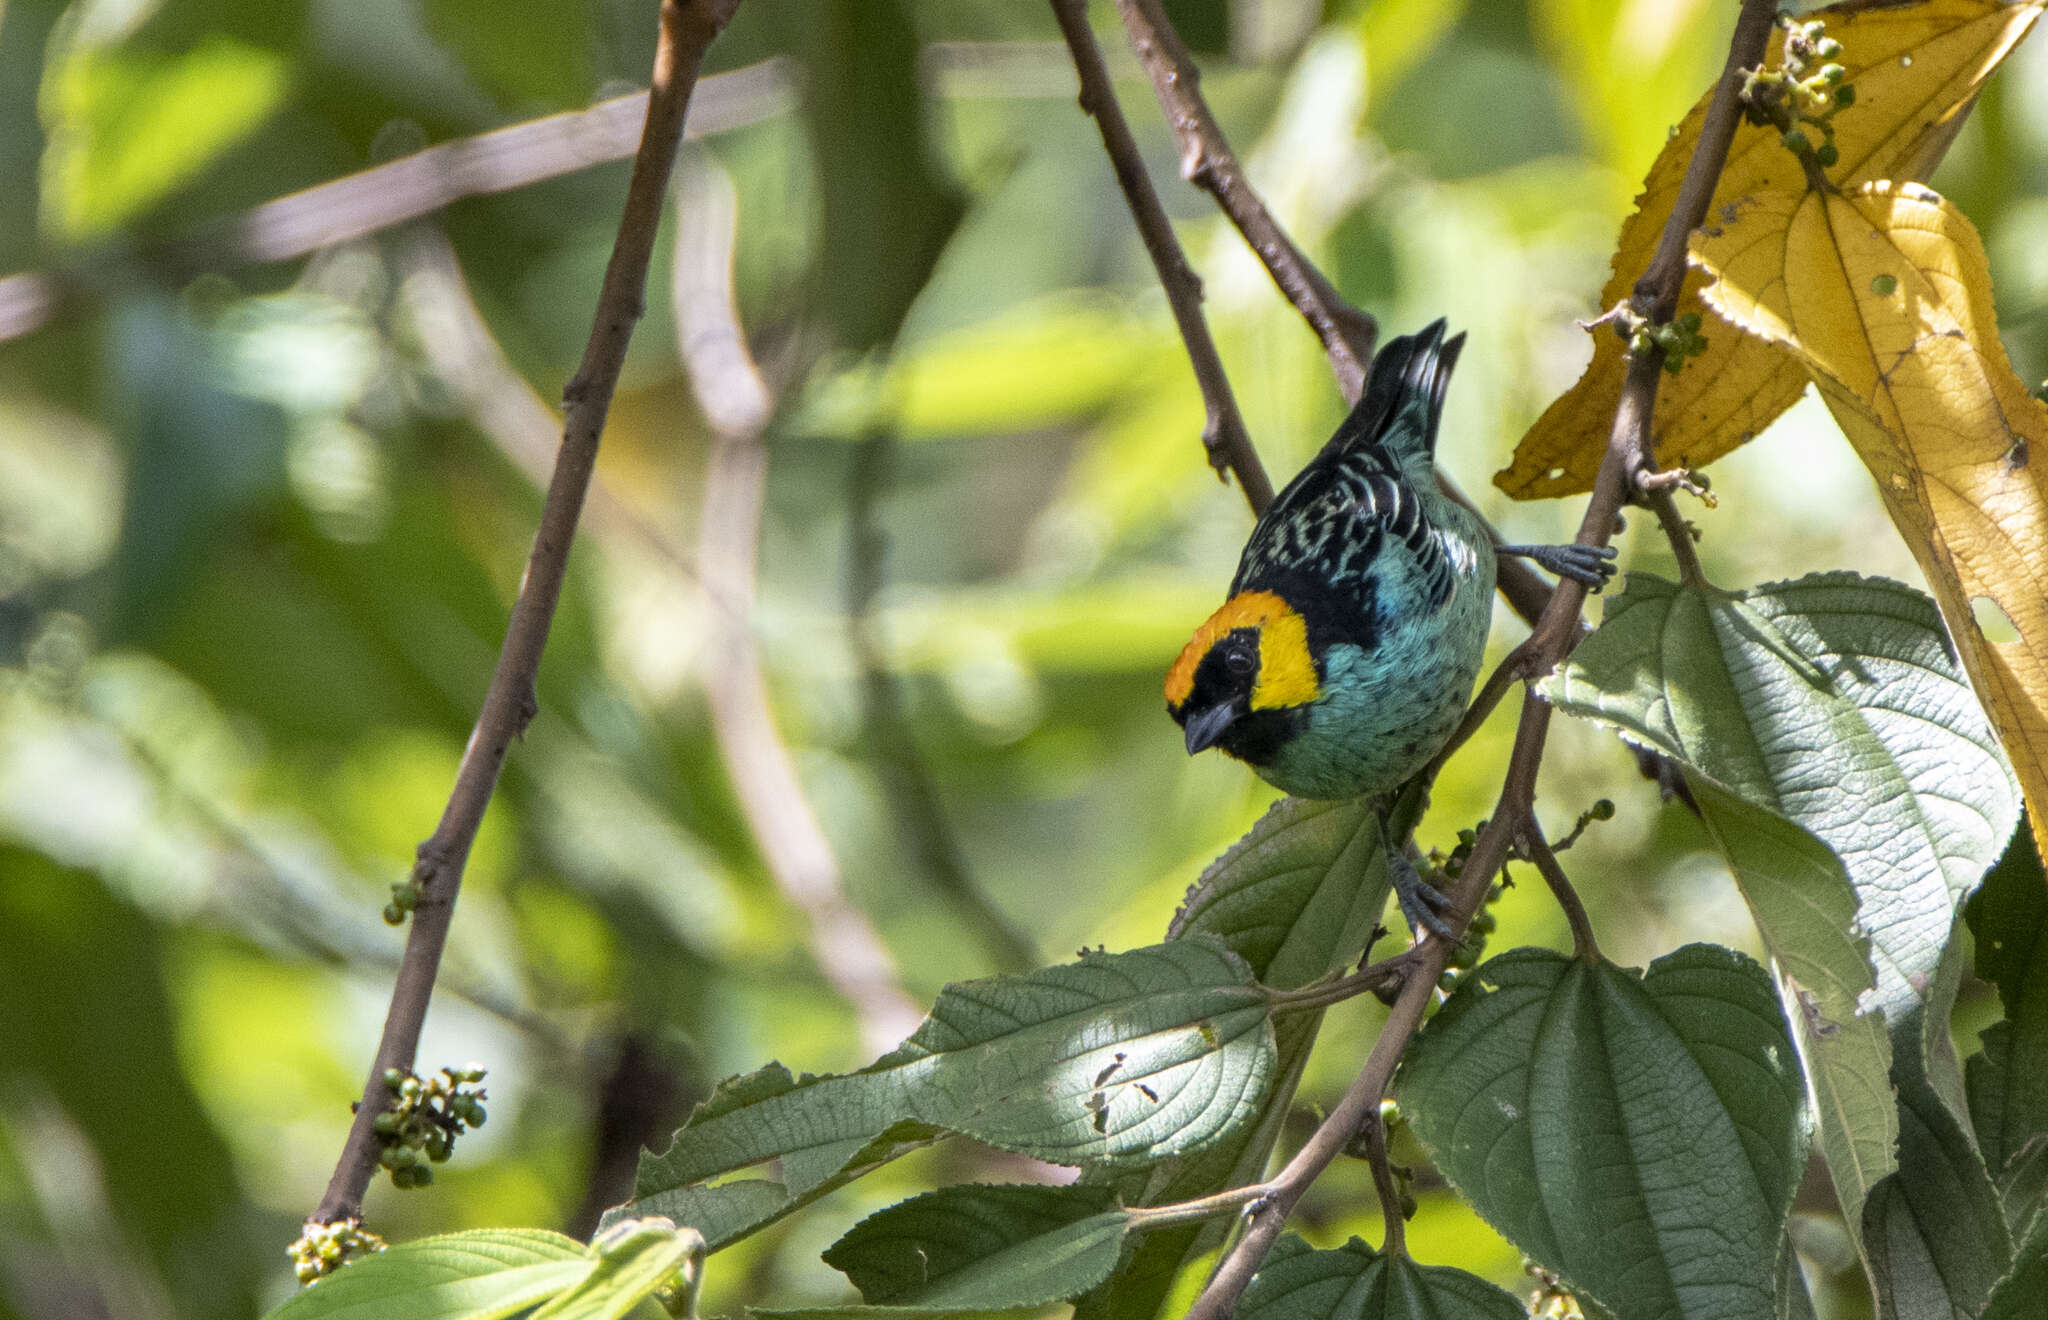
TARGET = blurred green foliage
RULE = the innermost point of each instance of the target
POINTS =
(259, 529)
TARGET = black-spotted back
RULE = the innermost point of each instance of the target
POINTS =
(1360, 525)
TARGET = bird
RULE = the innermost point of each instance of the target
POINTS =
(1345, 655)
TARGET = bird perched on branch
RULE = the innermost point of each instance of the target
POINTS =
(1356, 623)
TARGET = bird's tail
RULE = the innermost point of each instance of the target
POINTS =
(1404, 396)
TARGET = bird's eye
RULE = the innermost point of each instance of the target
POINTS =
(1240, 663)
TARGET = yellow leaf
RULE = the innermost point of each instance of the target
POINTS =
(1884, 295)
(1916, 68)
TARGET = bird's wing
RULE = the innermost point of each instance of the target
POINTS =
(1348, 523)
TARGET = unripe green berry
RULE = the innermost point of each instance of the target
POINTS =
(1827, 156)
(1845, 96)
(1832, 73)
(1796, 140)
(1601, 810)
(392, 1077)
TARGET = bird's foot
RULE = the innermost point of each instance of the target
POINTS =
(1421, 902)
(1592, 565)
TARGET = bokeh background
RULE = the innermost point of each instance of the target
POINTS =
(266, 489)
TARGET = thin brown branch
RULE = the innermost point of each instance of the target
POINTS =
(1375, 1134)
(1347, 333)
(1556, 632)
(1678, 532)
(687, 28)
(1206, 161)
(1539, 851)
(1223, 433)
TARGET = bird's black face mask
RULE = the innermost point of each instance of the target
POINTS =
(1218, 709)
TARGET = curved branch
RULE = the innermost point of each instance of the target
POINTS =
(687, 28)
(1206, 160)
(1223, 433)
(1557, 631)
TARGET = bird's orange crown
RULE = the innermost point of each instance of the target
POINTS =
(1287, 672)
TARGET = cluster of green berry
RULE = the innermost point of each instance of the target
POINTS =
(324, 1248)
(1805, 90)
(424, 1119)
(405, 896)
(1680, 339)
(1472, 948)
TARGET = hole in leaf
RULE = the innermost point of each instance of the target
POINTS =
(1992, 620)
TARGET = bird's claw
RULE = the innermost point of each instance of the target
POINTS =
(1591, 565)
(1420, 901)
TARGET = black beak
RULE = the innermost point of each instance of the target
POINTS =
(1205, 727)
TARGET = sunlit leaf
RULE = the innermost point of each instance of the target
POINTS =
(1639, 1135)
(457, 1276)
(127, 126)
(1916, 69)
(1850, 778)
(1832, 702)
(1805, 909)
(1295, 898)
(633, 1260)
(1119, 1059)
(1884, 294)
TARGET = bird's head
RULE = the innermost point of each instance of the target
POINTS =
(1243, 682)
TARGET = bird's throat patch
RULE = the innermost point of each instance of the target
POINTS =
(1287, 672)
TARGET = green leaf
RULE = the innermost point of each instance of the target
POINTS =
(127, 126)
(1833, 702)
(1934, 1233)
(2023, 1188)
(1354, 1282)
(2018, 1296)
(1805, 910)
(1815, 717)
(458, 1276)
(1122, 1058)
(494, 1272)
(2009, 917)
(984, 1248)
(1296, 898)
(634, 1259)
(1640, 1137)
